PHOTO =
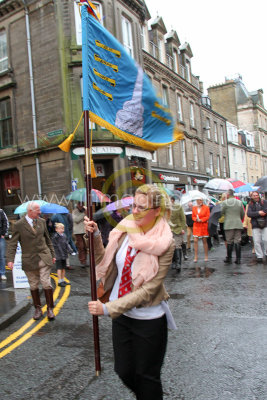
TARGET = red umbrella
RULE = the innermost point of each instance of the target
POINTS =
(237, 184)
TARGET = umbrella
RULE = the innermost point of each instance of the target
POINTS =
(262, 183)
(53, 208)
(23, 207)
(246, 188)
(192, 195)
(80, 195)
(122, 203)
(218, 185)
(237, 184)
(215, 214)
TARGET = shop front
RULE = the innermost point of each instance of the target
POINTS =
(119, 169)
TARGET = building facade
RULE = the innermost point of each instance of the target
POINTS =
(246, 111)
(41, 103)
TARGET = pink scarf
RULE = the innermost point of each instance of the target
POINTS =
(151, 245)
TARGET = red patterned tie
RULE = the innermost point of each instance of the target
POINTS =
(126, 276)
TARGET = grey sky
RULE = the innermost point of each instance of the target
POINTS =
(227, 37)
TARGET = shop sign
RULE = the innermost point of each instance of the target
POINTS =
(79, 151)
(199, 181)
(129, 152)
(99, 169)
(138, 176)
(168, 178)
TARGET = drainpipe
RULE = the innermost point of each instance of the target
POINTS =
(27, 21)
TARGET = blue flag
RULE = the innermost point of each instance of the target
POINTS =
(118, 94)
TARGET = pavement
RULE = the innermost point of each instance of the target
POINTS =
(16, 302)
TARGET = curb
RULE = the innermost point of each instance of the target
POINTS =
(15, 313)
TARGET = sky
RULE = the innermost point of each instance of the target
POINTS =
(227, 38)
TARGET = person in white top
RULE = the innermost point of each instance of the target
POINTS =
(133, 266)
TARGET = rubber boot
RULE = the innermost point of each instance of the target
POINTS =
(174, 258)
(238, 253)
(179, 261)
(228, 259)
(184, 251)
(37, 304)
(50, 303)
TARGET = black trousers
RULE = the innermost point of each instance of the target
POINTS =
(139, 349)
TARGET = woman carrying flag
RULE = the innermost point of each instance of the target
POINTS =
(133, 267)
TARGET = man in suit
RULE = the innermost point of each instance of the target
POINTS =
(38, 256)
(233, 212)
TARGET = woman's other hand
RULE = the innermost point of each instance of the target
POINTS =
(96, 307)
(90, 226)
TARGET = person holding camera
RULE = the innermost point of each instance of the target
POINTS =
(257, 211)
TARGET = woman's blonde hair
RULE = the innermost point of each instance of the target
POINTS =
(157, 197)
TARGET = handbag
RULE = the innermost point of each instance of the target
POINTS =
(102, 294)
(261, 222)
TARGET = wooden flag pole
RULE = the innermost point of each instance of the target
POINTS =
(89, 211)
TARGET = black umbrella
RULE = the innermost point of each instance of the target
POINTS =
(262, 182)
(215, 215)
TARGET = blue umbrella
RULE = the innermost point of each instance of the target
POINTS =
(23, 207)
(80, 195)
(246, 188)
(53, 208)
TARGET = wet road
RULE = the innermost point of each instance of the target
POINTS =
(218, 352)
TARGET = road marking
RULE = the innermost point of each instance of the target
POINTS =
(44, 321)
(19, 332)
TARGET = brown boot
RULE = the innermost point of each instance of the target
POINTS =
(37, 304)
(50, 303)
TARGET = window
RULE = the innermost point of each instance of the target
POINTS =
(234, 155)
(170, 159)
(127, 35)
(78, 22)
(183, 153)
(243, 156)
(3, 52)
(250, 160)
(6, 131)
(192, 116)
(195, 156)
(211, 163)
(208, 127)
(218, 166)
(161, 49)
(215, 132)
(179, 108)
(256, 162)
(154, 156)
(222, 137)
(244, 177)
(143, 37)
(224, 167)
(188, 72)
(165, 96)
(236, 176)
(175, 61)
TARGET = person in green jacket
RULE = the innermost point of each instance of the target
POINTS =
(177, 224)
(233, 212)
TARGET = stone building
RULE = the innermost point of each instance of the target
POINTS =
(41, 102)
(246, 111)
(185, 164)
